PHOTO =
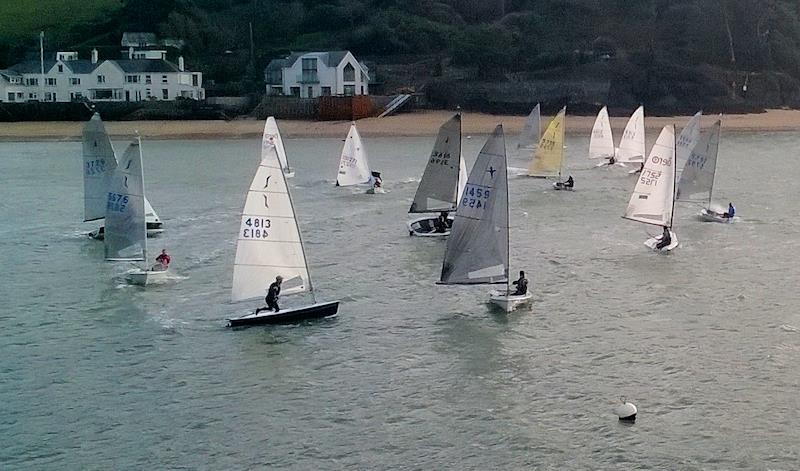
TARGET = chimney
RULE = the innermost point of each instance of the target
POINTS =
(181, 64)
(130, 52)
(94, 56)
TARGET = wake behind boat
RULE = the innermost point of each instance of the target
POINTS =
(269, 245)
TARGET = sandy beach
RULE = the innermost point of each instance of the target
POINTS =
(420, 123)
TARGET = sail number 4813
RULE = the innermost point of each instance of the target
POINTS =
(256, 228)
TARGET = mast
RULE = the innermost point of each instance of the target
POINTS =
(674, 175)
(508, 228)
(714, 176)
(299, 233)
(144, 197)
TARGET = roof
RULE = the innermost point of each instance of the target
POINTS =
(32, 67)
(9, 73)
(139, 39)
(82, 66)
(329, 58)
(146, 65)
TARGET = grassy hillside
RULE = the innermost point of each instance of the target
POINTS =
(22, 20)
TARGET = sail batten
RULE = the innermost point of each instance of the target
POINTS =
(652, 198)
(268, 216)
(601, 144)
(125, 226)
(549, 155)
(353, 165)
(632, 148)
(438, 188)
(477, 250)
(531, 130)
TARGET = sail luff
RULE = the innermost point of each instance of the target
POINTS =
(438, 188)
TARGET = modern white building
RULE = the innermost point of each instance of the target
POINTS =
(144, 75)
(313, 74)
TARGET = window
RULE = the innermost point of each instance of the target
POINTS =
(275, 77)
(310, 71)
(310, 92)
(349, 90)
(101, 94)
(165, 93)
(101, 79)
(195, 80)
(20, 95)
(51, 82)
(295, 91)
(11, 96)
(148, 93)
(349, 73)
(32, 96)
(326, 91)
(164, 79)
(74, 81)
(31, 81)
(75, 96)
(61, 67)
(132, 79)
(147, 79)
(276, 90)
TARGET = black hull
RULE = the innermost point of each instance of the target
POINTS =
(287, 316)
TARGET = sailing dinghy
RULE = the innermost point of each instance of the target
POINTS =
(632, 147)
(686, 142)
(442, 182)
(548, 160)
(531, 130)
(601, 144)
(652, 201)
(353, 165)
(696, 184)
(272, 137)
(125, 228)
(477, 250)
(99, 162)
(269, 244)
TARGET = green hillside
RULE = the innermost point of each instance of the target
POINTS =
(22, 20)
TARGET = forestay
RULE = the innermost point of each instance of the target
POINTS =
(439, 185)
(688, 139)
(531, 130)
(651, 201)
(697, 178)
(601, 144)
(269, 241)
(272, 138)
(632, 145)
(125, 228)
(477, 250)
(99, 163)
(549, 155)
(353, 166)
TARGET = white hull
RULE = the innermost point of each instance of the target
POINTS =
(288, 173)
(509, 302)
(423, 227)
(560, 186)
(153, 230)
(653, 241)
(147, 277)
(706, 215)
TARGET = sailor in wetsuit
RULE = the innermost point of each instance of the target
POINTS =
(522, 285)
(730, 213)
(272, 296)
(440, 223)
(666, 239)
(569, 183)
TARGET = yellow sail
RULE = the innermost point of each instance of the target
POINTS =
(547, 160)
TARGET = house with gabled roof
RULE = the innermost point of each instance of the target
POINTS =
(314, 74)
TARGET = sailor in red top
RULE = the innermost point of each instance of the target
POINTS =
(163, 259)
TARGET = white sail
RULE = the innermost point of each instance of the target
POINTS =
(697, 178)
(462, 179)
(531, 130)
(269, 241)
(99, 163)
(125, 228)
(601, 145)
(353, 166)
(632, 145)
(688, 139)
(652, 198)
(272, 138)
(438, 188)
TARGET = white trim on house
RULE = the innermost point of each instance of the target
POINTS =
(314, 74)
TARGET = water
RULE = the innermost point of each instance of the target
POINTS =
(98, 375)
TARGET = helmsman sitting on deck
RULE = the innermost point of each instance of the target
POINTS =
(569, 183)
(440, 223)
(730, 213)
(522, 285)
(666, 239)
(272, 296)
(163, 260)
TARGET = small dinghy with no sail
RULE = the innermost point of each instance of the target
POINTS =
(477, 250)
(652, 201)
(442, 183)
(268, 245)
(125, 227)
(99, 162)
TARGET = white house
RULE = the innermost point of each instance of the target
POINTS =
(68, 78)
(313, 74)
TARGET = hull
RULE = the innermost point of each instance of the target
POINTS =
(288, 173)
(153, 230)
(147, 277)
(509, 302)
(561, 186)
(653, 241)
(287, 316)
(375, 191)
(706, 215)
(423, 227)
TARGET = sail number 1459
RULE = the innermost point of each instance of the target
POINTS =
(256, 228)
(475, 196)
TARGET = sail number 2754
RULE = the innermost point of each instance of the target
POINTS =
(475, 196)
(256, 228)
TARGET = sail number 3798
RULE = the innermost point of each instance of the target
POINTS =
(256, 228)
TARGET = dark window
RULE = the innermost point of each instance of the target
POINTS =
(349, 73)
(310, 71)
(326, 91)
(165, 93)
(295, 91)
(349, 90)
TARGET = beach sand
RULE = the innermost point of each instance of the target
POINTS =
(420, 123)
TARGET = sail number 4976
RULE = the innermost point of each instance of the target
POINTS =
(256, 228)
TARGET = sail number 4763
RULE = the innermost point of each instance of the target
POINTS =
(256, 228)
